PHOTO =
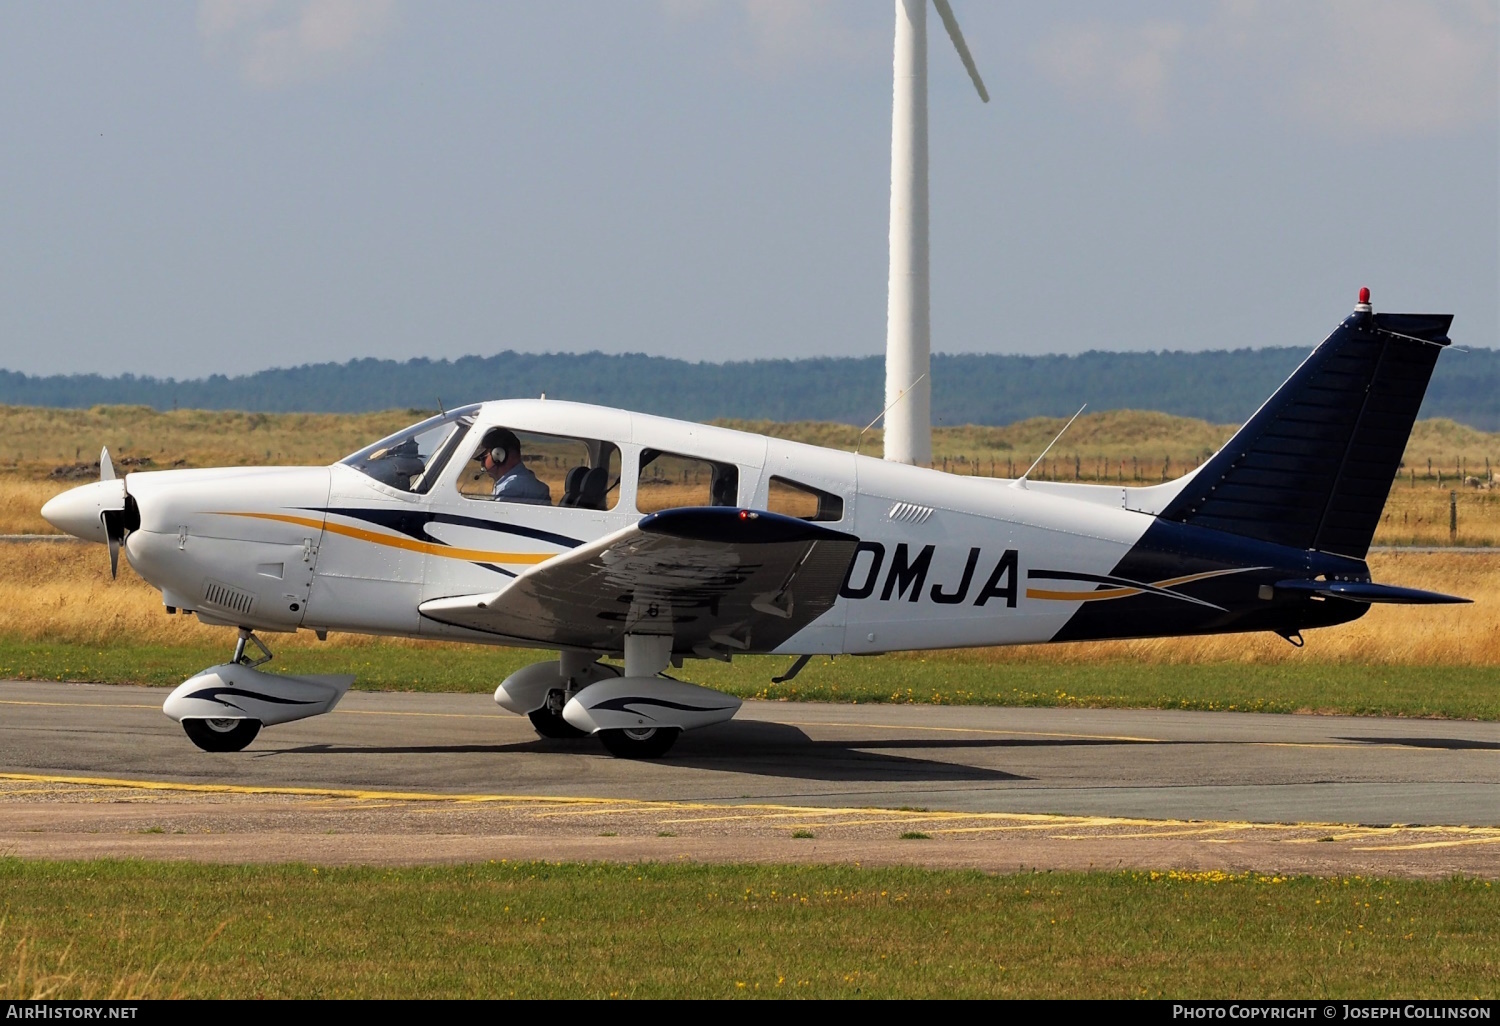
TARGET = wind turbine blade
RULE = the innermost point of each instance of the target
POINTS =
(945, 11)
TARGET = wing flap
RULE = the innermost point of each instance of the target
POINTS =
(717, 579)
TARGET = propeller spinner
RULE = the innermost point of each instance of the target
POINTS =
(97, 512)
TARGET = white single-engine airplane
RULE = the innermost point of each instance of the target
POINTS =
(601, 533)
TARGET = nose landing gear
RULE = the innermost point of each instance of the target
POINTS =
(248, 636)
(222, 733)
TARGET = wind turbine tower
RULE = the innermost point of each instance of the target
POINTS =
(908, 340)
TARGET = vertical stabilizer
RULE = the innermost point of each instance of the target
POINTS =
(1313, 467)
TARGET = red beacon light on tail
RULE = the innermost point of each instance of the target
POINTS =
(1363, 306)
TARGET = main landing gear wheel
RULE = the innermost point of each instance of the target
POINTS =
(548, 724)
(645, 743)
(221, 735)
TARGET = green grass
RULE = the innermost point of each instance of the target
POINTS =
(546, 931)
(941, 678)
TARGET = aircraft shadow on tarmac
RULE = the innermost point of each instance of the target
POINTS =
(1451, 744)
(764, 749)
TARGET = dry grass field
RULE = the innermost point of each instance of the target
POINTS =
(62, 592)
(1118, 446)
(38, 439)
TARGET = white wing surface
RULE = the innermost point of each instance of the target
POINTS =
(718, 580)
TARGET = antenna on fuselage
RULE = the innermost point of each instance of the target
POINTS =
(1020, 482)
(904, 393)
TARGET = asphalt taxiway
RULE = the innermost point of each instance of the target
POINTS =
(1148, 764)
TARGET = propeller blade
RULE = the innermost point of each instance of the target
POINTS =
(114, 533)
(106, 468)
(945, 11)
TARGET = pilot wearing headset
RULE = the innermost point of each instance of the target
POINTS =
(514, 482)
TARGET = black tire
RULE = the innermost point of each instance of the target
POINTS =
(648, 743)
(548, 724)
(221, 735)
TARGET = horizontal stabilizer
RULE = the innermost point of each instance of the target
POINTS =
(1365, 591)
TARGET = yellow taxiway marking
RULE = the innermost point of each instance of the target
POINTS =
(799, 814)
(593, 804)
(1012, 827)
(1000, 820)
(1433, 844)
(1164, 832)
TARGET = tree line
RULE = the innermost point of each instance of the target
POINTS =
(1223, 386)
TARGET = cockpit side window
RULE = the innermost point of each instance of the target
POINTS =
(412, 459)
(542, 470)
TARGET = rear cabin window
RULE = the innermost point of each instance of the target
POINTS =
(803, 501)
(543, 470)
(669, 481)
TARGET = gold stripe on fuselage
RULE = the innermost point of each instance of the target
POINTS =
(399, 541)
(1114, 593)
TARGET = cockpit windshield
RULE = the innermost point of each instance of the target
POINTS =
(412, 459)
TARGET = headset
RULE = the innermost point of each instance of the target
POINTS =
(501, 452)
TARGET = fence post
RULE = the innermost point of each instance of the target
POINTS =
(1453, 516)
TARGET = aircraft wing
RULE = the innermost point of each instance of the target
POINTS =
(719, 580)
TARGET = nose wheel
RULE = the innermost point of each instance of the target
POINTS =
(221, 735)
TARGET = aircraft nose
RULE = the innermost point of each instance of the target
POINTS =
(79, 511)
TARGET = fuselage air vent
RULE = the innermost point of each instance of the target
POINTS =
(226, 596)
(909, 513)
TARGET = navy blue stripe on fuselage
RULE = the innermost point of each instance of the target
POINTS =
(1233, 602)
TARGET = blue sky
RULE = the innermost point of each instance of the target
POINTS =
(223, 186)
